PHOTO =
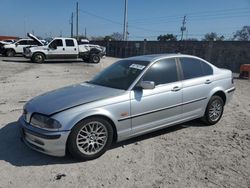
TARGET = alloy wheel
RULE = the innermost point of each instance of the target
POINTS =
(92, 138)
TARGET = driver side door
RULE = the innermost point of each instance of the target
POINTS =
(56, 49)
(156, 108)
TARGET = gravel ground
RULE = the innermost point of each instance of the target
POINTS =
(186, 155)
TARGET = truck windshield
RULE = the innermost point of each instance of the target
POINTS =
(120, 75)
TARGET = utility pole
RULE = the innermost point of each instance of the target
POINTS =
(85, 33)
(77, 12)
(183, 27)
(72, 24)
(125, 24)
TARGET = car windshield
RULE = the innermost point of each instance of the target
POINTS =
(120, 75)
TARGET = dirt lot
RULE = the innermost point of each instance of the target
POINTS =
(187, 155)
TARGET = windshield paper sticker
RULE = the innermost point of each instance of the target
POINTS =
(137, 66)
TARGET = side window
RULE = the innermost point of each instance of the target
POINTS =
(59, 42)
(32, 42)
(22, 42)
(207, 69)
(162, 72)
(56, 43)
(191, 68)
(69, 42)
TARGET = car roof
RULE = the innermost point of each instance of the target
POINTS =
(154, 57)
(24, 39)
(62, 38)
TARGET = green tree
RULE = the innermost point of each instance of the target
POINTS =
(167, 37)
(213, 37)
(116, 36)
(108, 38)
(243, 34)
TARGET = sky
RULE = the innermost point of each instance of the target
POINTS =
(146, 18)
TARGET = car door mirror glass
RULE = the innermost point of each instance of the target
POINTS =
(147, 84)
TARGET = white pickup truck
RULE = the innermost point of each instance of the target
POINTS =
(64, 48)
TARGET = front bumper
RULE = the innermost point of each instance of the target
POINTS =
(48, 142)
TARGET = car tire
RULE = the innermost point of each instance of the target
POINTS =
(10, 53)
(38, 58)
(95, 58)
(214, 110)
(90, 138)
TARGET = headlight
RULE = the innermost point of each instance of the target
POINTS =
(44, 122)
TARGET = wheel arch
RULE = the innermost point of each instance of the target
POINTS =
(221, 94)
(216, 91)
(8, 49)
(103, 116)
(11, 49)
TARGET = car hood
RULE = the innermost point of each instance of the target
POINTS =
(35, 39)
(68, 97)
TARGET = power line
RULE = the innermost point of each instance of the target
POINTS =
(192, 13)
(214, 15)
(100, 17)
(205, 16)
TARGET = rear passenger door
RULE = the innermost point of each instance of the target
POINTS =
(71, 48)
(197, 84)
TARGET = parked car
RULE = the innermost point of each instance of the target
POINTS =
(8, 41)
(64, 48)
(12, 49)
(4, 42)
(132, 97)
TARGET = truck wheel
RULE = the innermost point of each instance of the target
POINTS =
(10, 53)
(95, 58)
(38, 58)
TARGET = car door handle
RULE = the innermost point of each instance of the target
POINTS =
(63, 49)
(176, 88)
(208, 82)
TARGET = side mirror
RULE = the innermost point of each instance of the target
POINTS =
(147, 84)
(16, 44)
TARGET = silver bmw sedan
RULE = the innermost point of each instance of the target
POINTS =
(132, 97)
